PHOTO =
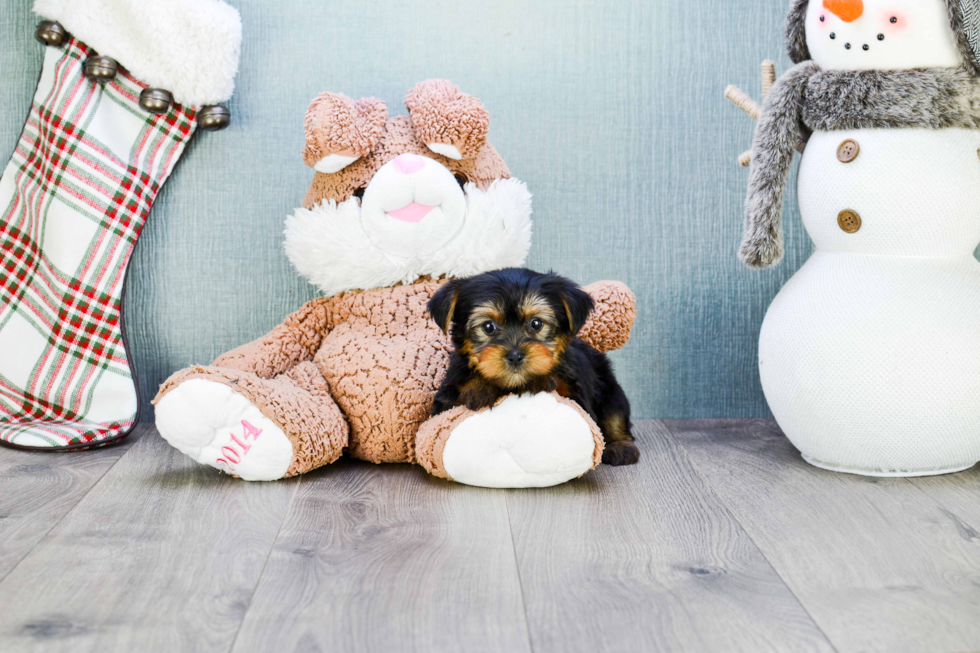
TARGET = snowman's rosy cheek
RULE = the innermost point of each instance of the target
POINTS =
(894, 23)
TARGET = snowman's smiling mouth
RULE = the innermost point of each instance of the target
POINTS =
(414, 212)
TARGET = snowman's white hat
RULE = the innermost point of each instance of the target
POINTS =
(964, 18)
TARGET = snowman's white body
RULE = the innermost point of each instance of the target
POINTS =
(870, 355)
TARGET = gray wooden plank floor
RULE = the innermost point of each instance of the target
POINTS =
(37, 491)
(162, 554)
(878, 563)
(648, 556)
(386, 558)
(721, 539)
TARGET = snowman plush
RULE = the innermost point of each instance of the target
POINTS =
(870, 355)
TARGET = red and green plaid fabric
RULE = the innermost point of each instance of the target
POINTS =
(73, 200)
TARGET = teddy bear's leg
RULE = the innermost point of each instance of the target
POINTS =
(257, 429)
(524, 441)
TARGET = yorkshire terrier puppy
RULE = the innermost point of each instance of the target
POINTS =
(514, 332)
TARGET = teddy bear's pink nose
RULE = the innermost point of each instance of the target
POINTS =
(408, 164)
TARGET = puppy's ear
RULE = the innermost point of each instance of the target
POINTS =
(442, 306)
(578, 305)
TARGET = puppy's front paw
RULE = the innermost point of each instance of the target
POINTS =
(478, 396)
(479, 403)
(621, 452)
(440, 405)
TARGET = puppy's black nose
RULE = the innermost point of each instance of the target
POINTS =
(515, 357)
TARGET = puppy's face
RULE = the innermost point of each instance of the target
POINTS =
(512, 340)
(512, 325)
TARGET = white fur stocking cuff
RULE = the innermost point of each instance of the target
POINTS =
(187, 47)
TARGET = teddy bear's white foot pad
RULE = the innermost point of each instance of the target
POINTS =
(217, 426)
(526, 441)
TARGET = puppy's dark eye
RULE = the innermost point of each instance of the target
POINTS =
(461, 179)
(359, 193)
(489, 328)
(536, 324)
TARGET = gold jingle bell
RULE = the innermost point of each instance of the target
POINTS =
(213, 118)
(100, 68)
(156, 100)
(50, 32)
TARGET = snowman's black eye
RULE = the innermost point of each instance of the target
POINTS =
(881, 37)
(894, 19)
(833, 36)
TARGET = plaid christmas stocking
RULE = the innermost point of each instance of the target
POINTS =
(98, 145)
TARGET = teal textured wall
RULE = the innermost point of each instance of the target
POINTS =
(612, 112)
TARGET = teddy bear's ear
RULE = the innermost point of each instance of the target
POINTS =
(448, 121)
(339, 130)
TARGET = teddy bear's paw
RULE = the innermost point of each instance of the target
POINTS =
(524, 441)
(217, 426)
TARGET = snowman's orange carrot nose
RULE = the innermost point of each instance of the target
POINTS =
(847, 10)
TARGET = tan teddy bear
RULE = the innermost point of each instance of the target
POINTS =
(396, 206)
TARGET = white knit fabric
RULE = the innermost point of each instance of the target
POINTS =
(870, 355)
(916, 190)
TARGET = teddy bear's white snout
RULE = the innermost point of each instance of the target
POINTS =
(413, 206)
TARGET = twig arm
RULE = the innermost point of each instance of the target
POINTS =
(743, 101)
(768, 77)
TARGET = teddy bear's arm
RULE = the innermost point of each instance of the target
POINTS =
(611, 322)
(566, 444)
(296, 340)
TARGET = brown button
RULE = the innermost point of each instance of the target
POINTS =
(849, 221)
(848, 151)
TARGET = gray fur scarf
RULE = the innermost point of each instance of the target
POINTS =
(807, 99)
